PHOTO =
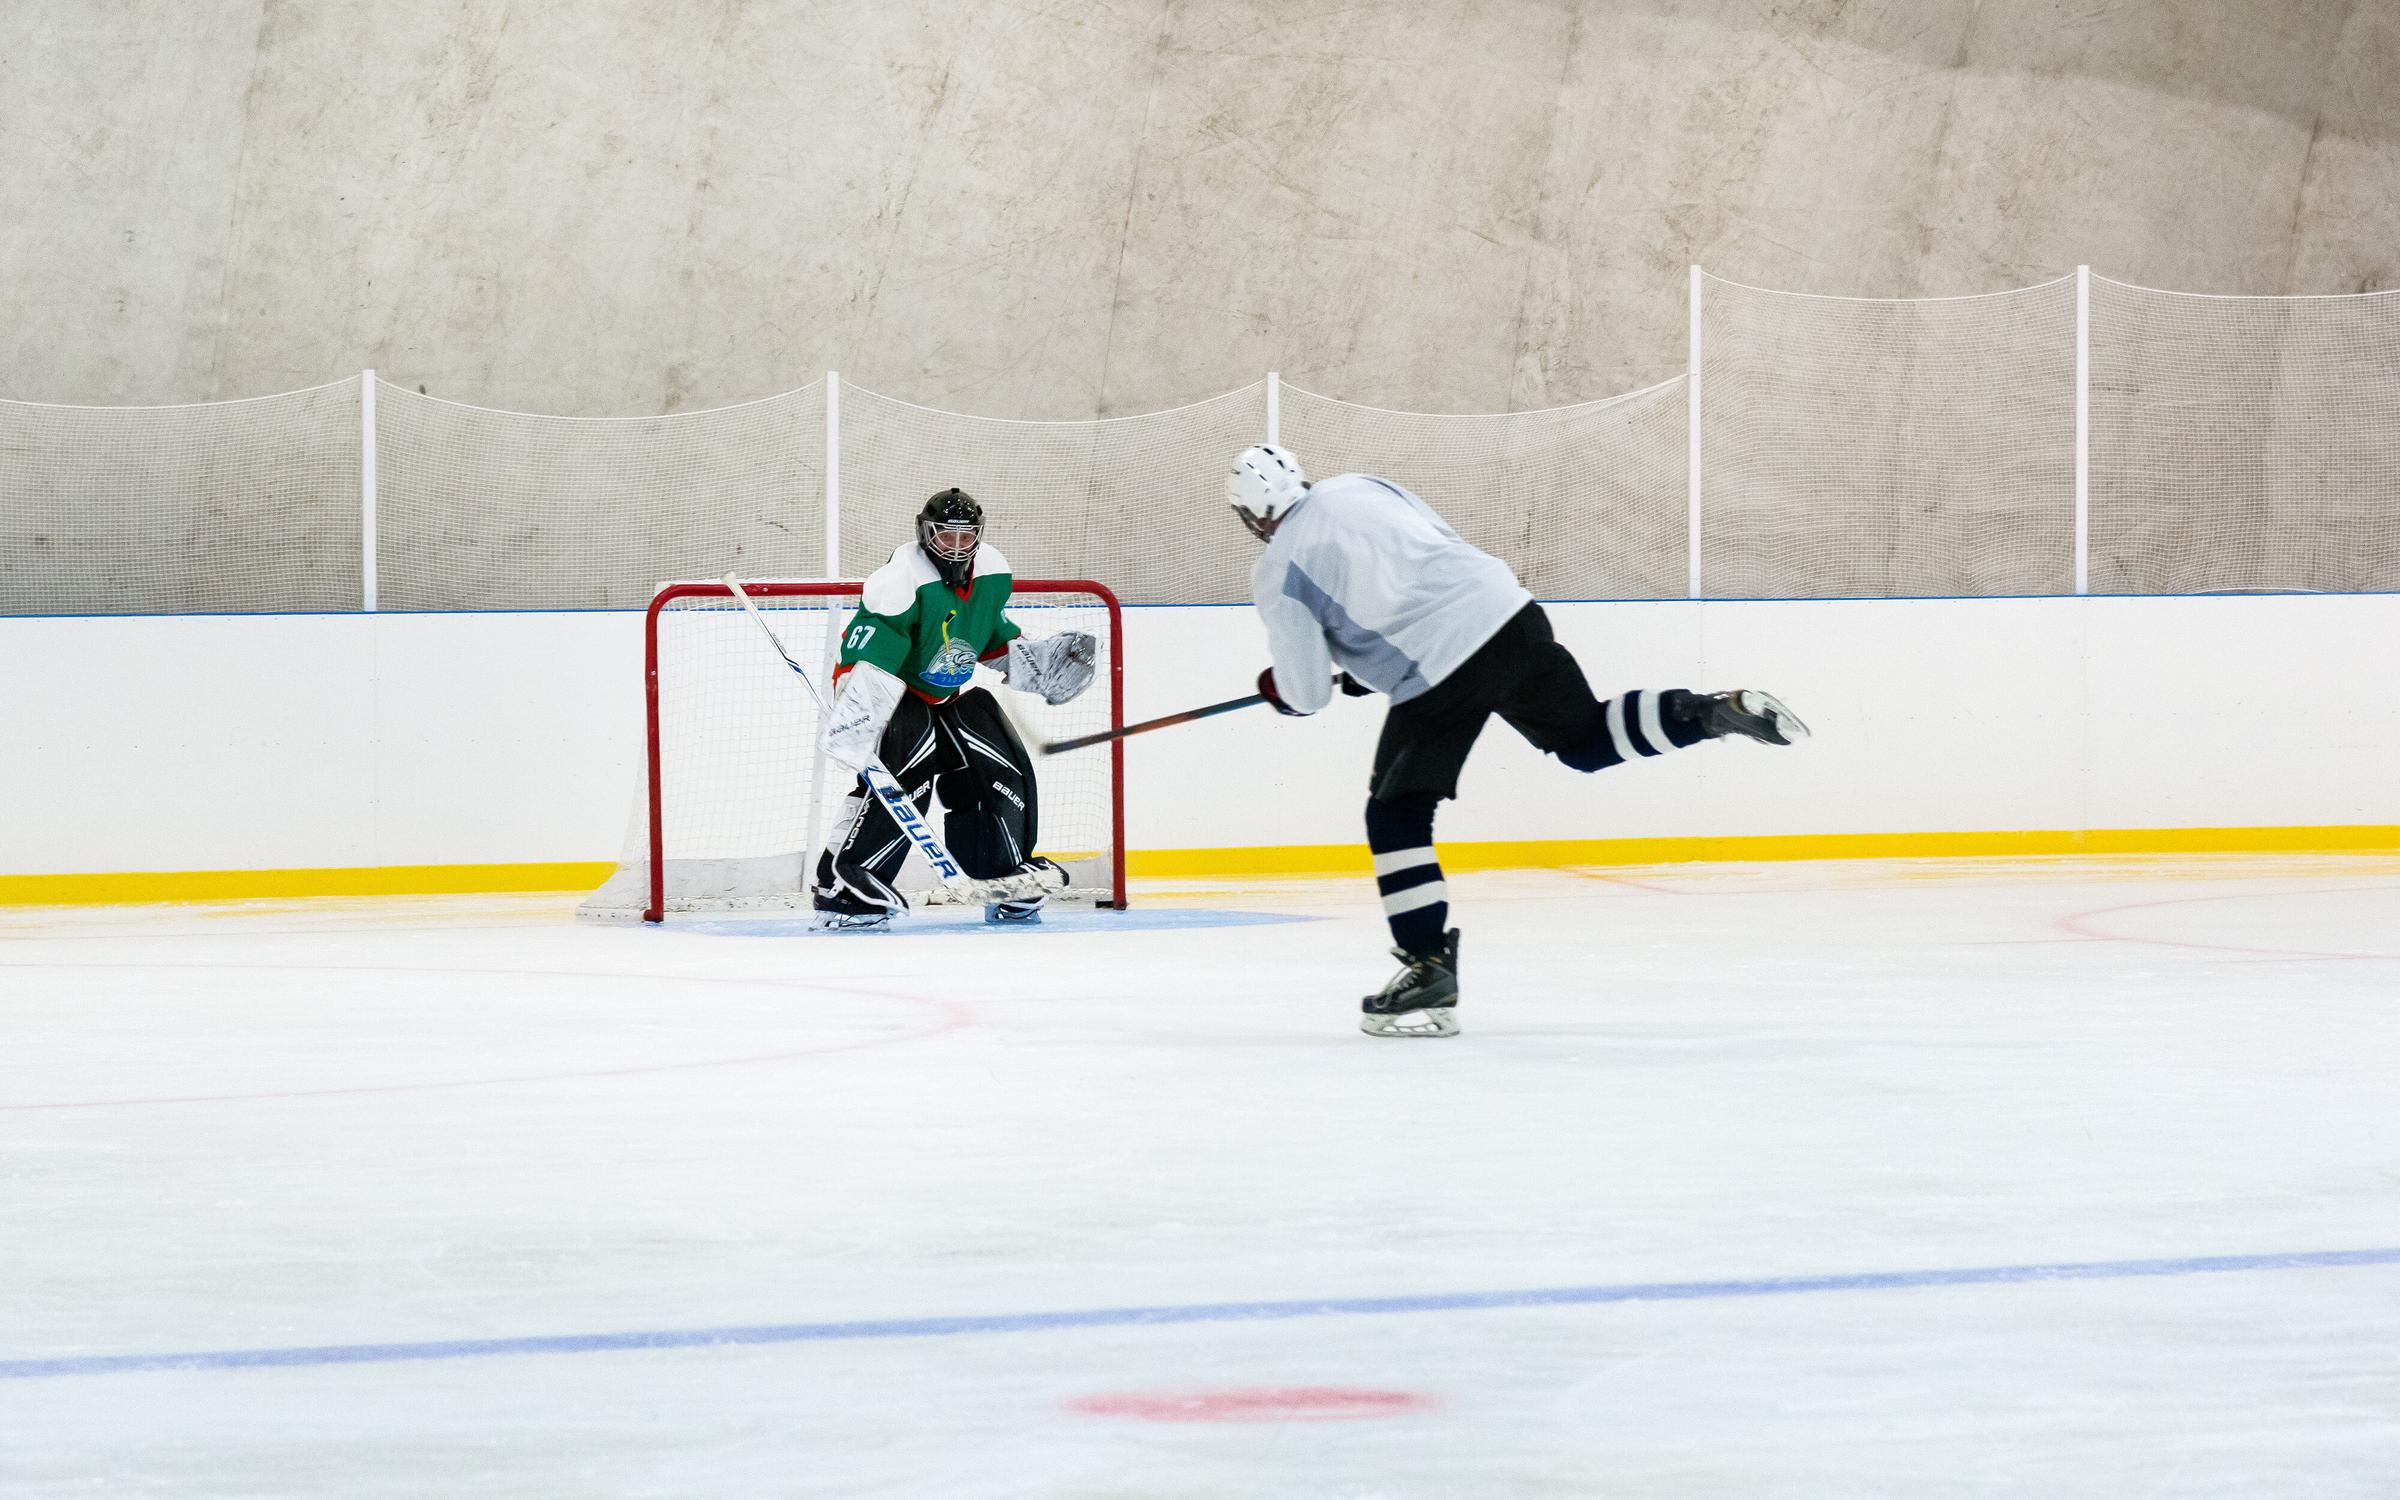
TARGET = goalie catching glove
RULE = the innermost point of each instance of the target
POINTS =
(1057, 667)
(862, 706)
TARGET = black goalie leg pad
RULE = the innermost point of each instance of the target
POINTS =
(988, 789)
(859, 868)
(1416, 901)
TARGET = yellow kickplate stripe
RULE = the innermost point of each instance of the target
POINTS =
(1351, 859)
(138, 886)
(135, 887)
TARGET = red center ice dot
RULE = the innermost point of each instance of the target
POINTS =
(1306, 1403)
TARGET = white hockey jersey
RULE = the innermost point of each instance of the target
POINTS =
(1363, 575)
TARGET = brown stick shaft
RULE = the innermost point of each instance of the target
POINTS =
(1186, 717)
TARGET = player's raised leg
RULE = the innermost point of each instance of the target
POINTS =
(1544, 696)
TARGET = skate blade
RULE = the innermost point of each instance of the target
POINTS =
(1442, 1022)
(1771, 708)
(852, 924)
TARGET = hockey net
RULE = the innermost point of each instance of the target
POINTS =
(737, 794)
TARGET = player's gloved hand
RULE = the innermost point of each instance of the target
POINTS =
(1266, 688)
(1351, 686)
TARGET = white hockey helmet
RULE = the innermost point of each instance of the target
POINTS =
(1265, 483)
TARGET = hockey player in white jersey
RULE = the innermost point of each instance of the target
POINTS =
(1361, 575)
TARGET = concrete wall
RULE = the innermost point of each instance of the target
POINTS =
(266, 742)
(1093, 208)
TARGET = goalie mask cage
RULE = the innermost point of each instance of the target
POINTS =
(738, 795)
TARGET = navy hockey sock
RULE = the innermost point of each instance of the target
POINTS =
(1415, 900)
(1641, 722)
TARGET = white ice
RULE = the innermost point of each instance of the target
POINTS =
(356, 1124)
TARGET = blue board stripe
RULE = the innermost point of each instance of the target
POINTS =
(1202, 1312)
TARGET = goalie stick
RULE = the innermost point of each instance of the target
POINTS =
(1029, 886)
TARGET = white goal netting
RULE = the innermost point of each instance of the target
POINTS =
(744, 795)
(1853, 447)
(2244, 443)
(1585, 502)
(486, 509)
(1137, 502)
(230, 507)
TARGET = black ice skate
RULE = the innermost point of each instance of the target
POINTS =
(1422, 999)
(1743, 711)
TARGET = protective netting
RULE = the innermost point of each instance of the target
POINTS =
(1849, 447)
(1585, 502)
(2244, 443)
(1137, 503)
(748, 794)
(1852, 447)
(485, 509)
(229, 507)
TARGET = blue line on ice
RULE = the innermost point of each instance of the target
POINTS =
(1203, 1312)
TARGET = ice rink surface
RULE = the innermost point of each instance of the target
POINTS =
(1730, 1188)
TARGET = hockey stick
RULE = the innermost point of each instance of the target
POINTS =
(1056, 747)
(1026, 887)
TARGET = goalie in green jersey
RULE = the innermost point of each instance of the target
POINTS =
(925, 621)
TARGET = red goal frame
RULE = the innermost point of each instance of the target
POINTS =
(657, 909)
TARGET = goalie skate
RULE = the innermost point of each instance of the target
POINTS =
(852, 921)
(1026, 912)
(1421, 1000)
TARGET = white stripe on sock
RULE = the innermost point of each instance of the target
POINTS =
(1652, 730)
(1414, 897)
(1616, 730)
(1403, 859)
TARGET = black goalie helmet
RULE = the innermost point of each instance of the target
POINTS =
(949, 529)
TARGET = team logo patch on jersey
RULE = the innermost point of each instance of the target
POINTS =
(952, 667)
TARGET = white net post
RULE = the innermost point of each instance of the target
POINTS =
(1274, 409)
(833, 474)
(2083, 430)
(366, 490)
(1691, 458)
